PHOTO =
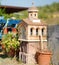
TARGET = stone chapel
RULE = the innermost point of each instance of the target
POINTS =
(32, 31)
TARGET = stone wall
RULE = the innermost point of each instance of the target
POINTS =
(53, 43)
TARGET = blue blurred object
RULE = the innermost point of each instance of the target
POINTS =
(0, 34)
(13, 22)
(2, 21)
(7, 23)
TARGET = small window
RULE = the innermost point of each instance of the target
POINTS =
(31, 31)
(35, 14)
(31, 14)
(37, 31)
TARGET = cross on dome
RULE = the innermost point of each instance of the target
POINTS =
(32, 3)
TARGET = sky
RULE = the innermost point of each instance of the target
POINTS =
(27, 3)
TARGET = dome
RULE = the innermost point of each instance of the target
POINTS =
(33, 9)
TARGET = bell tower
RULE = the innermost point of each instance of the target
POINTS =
(33, 12)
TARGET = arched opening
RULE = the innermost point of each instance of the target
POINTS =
(23, 32)
(43, 31)
(37, 31)
(31, 31)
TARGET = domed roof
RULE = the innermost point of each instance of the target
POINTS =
(33, 8)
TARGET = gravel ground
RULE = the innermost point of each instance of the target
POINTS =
(9, 61)
(5, 60)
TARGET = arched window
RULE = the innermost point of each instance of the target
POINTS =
(31, 31)
(37, 31)
(43, 31)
